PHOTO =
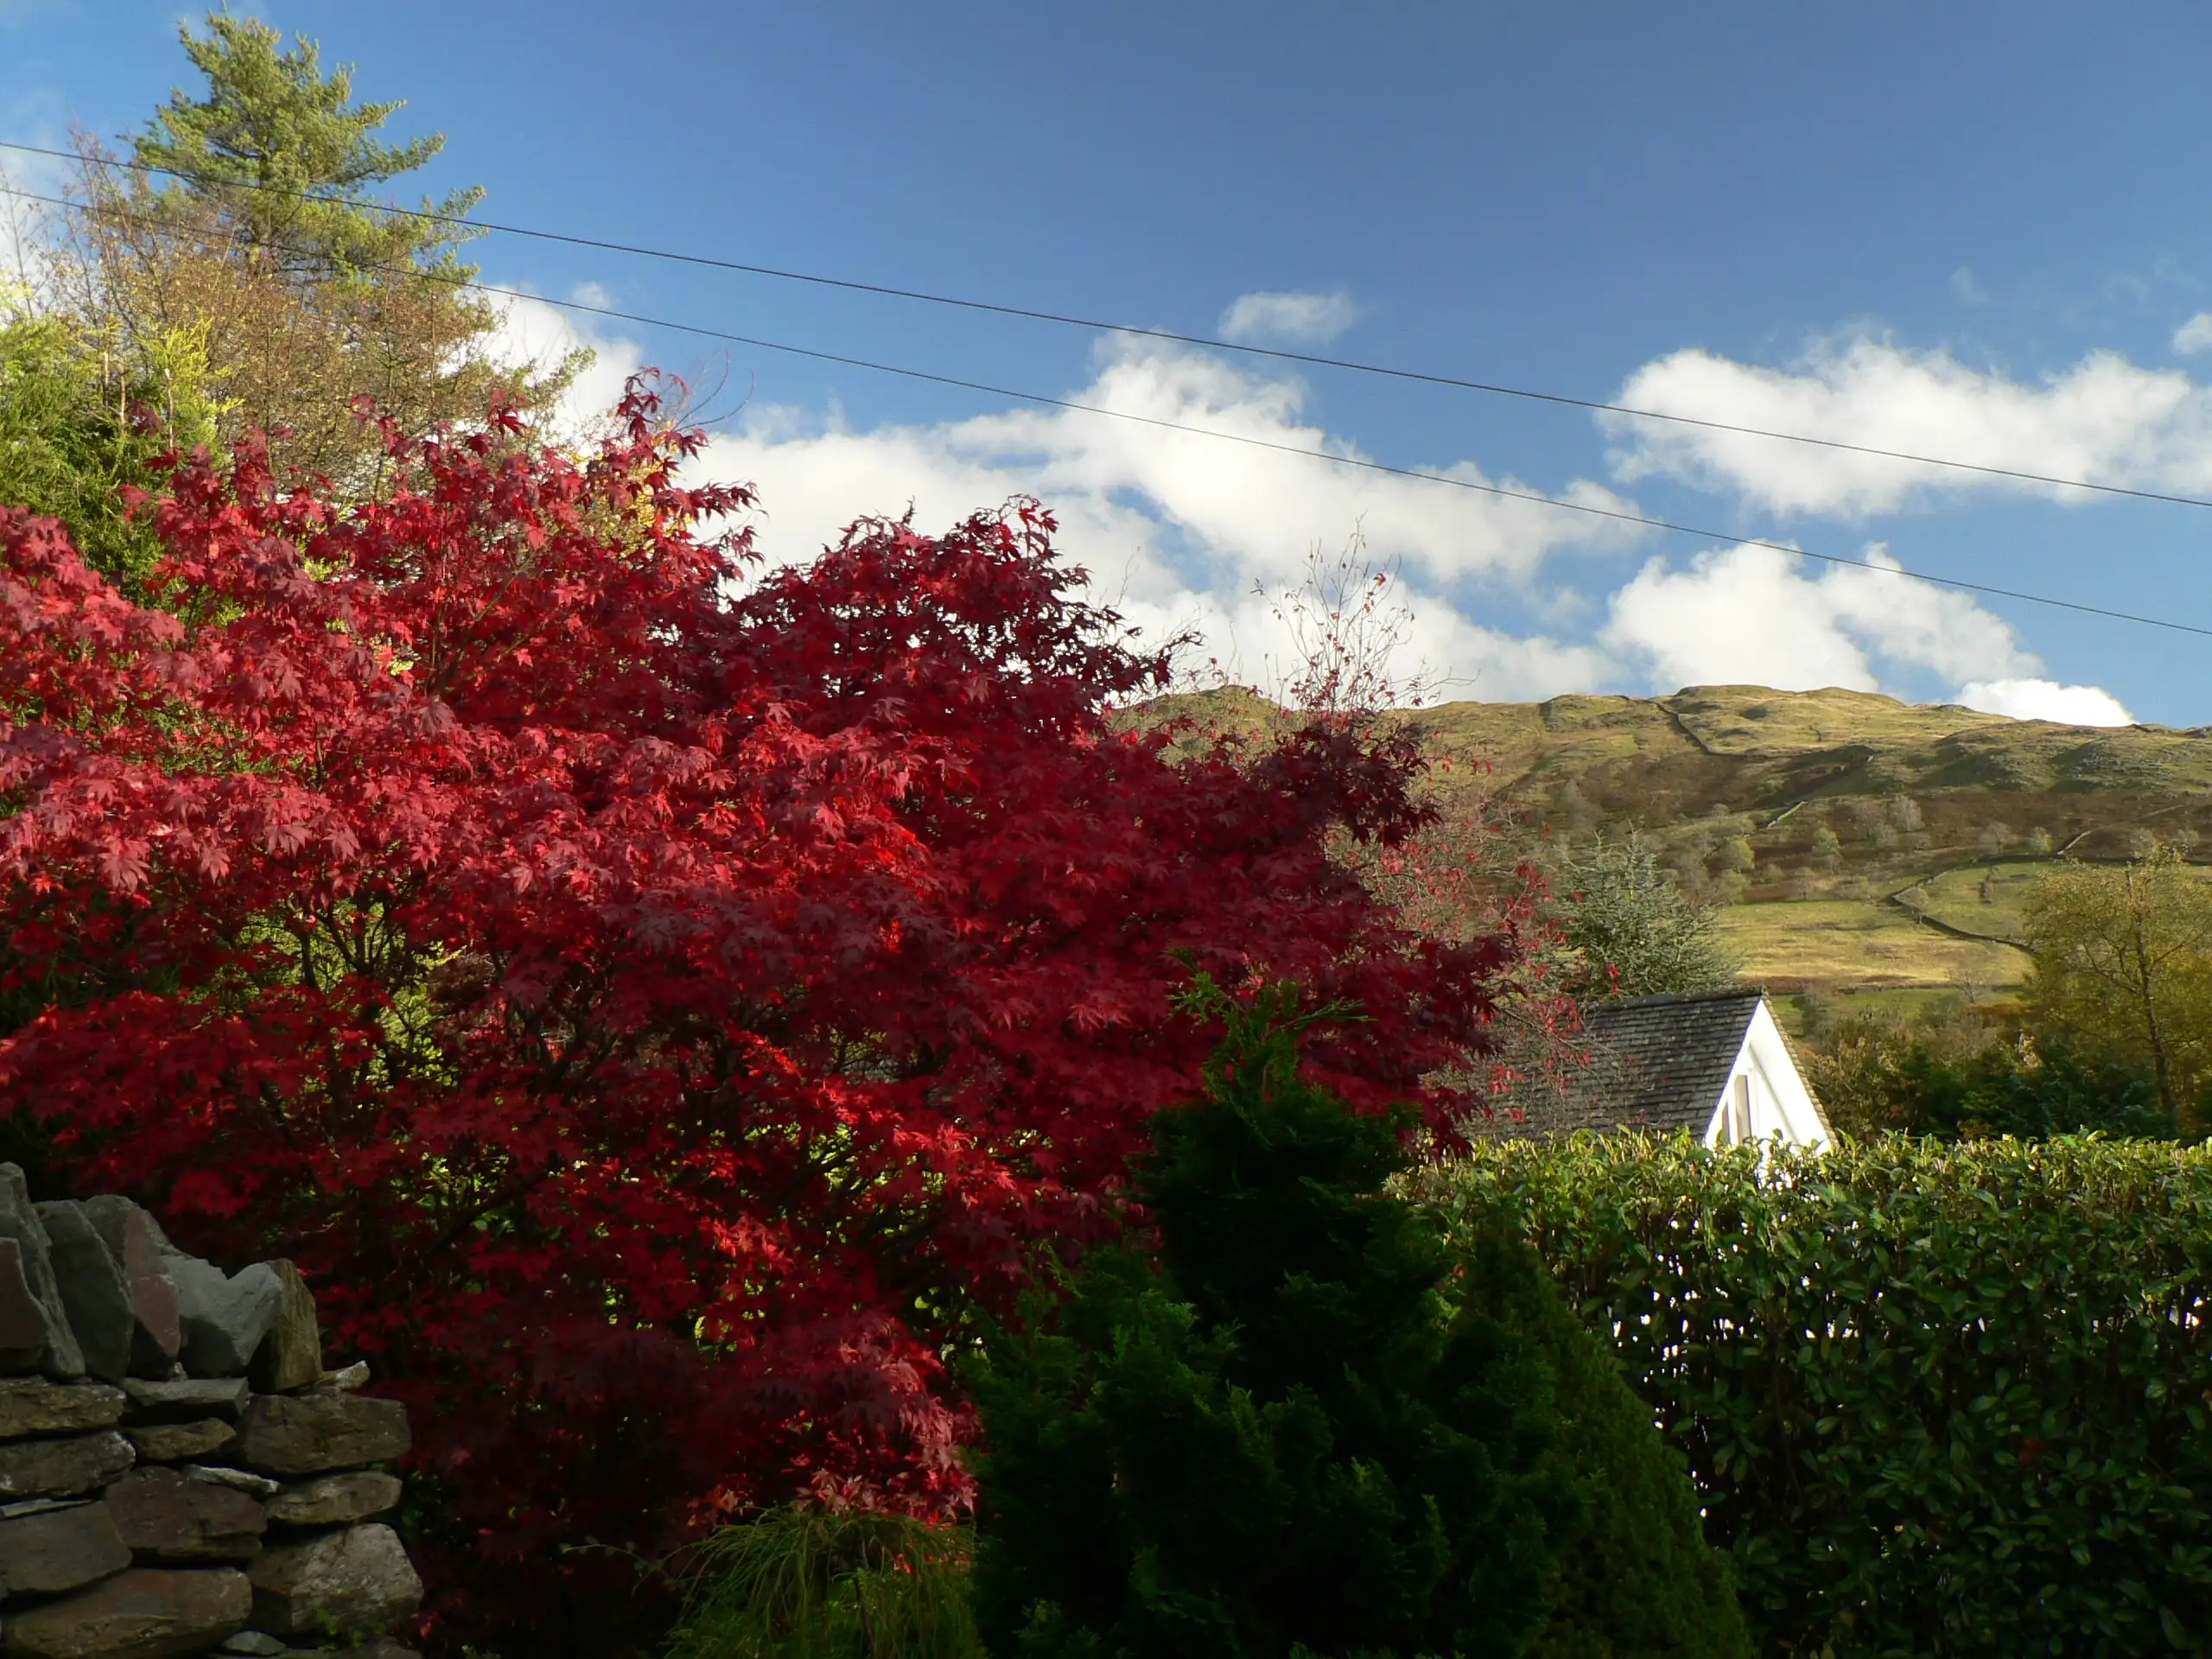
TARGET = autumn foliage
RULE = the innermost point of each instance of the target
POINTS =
(657, 998)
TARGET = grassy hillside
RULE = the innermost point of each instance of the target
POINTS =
(1943, 818)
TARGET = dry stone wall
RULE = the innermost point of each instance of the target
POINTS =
(179, 1473)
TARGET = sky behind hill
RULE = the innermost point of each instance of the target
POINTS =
(1972, 230)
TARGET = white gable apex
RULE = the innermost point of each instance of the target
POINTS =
(1765, 1096)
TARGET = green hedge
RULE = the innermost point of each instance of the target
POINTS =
(1937, 1399)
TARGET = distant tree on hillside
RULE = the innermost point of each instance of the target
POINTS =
(2123, 970)
(1955, 1077)
(1827, 849)
(1633, 931)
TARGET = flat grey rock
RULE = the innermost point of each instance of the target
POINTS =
(259, 1644)
(59, 1549)
(290, 1356)
(145, 1613)
(176, 1442)
(164, 1516)
(93, 1293)
(22, 1315)
(33, 1406)
(345, 1379)
(29, 1294)
(41, 1505)
(358, 1580)
(239, 1480)
(183, 1397)
(335, 1500)
(308, 1433)
(62, 1468)
(223, 1316)
(135, 1239)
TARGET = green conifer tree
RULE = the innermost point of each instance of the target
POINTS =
(1286, 1437)
(258, 234)
(1633, 931)
(1638, 1579)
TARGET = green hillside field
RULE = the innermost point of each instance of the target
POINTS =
(1944, 818)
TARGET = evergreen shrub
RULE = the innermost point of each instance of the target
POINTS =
(1310, 1425)
(1938, 1398)
(1637, 1580)
(1290, 1434)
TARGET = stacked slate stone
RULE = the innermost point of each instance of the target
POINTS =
(178, 1472)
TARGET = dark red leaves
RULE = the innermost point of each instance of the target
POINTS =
(655, 1004)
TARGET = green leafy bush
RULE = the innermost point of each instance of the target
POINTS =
(1937, 1399)
(1959, 1077)
(1285, 1437)
(801, 1583)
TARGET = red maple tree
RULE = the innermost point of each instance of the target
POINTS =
(658, 1001)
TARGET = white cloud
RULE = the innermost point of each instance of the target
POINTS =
(1968, 290)
(532, 332)
(1177, 530)
(2031, 699)
(2194, 335)
(2106, 420)
(1289, 318)
(1753, 616)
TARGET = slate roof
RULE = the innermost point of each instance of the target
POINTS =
(1661, 1062)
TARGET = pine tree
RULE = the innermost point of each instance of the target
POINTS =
(1286, 1437)
(256, 237)
(1636, 933)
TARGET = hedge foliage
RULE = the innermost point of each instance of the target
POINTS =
(1938, 1399)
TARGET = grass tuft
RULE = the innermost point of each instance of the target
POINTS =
(801, 1583)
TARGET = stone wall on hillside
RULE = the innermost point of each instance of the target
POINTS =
(179, 1473)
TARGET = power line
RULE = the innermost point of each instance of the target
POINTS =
(1361, 463)
(1208, 342)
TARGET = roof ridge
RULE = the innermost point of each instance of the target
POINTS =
(1755, 993)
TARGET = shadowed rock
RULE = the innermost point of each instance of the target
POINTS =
(62, 1468)
(145, 1613)
(57, 1550)
(358, 1579)
(290, 1356)
(33, 1406)
(223, 1316)
(93, 1293)
(305, 1434)
(29, 1296)
(135, 1239)
(164, 1516)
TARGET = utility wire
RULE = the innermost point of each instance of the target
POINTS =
(1499, 490)
(1209, 342)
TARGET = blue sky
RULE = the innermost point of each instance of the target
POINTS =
(1971, 230)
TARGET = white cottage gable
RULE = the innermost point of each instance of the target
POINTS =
(1714, 1065)
(1765, 1095)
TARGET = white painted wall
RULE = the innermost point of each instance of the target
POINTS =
(1764, 1086)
